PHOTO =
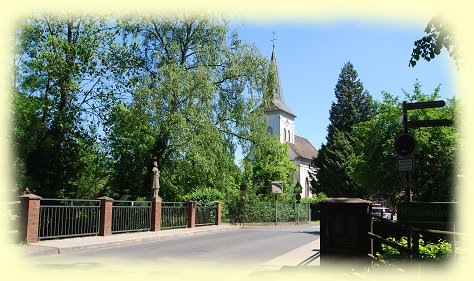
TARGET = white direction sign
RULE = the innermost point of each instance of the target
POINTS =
(277, 187)
(406, 164)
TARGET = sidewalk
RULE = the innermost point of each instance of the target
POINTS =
(60, 246)
(306, 255)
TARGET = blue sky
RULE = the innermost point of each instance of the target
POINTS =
(310, 57)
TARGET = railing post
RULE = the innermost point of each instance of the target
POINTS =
(416, 245)
(191, 214)
(218, 212)
(105, 227)
(29, 217)
(156, 214)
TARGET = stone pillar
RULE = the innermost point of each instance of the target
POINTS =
(344, 226)
(156, 213)
(105, 226)
(218, 212)
(29, 217)
(191, 214)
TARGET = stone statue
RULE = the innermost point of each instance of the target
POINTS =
(156, 179)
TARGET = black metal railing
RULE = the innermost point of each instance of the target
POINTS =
(413, 247)
(205, 214)
(68, 218)
(174, 215)
(130, 216)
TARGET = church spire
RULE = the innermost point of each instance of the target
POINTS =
(278, 99)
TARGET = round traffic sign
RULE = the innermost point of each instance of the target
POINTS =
(405, 145)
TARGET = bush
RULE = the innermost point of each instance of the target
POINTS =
(428, 251)
(204, 195)
(261, 208)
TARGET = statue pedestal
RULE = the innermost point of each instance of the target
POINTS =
(155, 213)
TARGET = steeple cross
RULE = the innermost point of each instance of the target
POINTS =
(274, 39)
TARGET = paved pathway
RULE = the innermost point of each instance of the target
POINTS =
(304, 257)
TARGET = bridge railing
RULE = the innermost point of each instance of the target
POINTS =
(206, 214)
(414, 236)
(60, 218)
(130, 216)
(174, 215)
(68, 218)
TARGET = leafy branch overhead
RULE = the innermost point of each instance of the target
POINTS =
(438, 36)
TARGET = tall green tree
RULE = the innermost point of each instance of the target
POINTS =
(374, 167)
(353, 105)
(58, 92)
(269, 162)
(195, 90)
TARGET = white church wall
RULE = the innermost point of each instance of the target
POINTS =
(287, 128)
(303, 174)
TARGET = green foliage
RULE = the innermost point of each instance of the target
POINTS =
(59, 91)
(374, 166)
(204, 195)
(438, 37)
(428, 250)
(353, 105)
(97, 100)
(195, 93)
(261, 208)
(270, 163)
(315, 199)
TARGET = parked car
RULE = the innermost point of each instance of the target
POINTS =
(383, 212)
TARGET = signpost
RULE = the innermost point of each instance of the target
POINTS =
(424, 104)
(431, 212)
(406, 164)
(429, 123)
(277, 189)
(405, 146)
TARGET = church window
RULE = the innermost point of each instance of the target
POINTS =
(284, 130)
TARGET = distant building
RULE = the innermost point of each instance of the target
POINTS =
(281, 121)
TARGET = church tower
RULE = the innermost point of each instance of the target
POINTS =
(281, 120)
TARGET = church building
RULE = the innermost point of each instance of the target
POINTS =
(281, 122)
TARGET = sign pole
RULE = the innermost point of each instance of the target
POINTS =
(276, 216)
(405, 130)
(407, 173)
(418, 124)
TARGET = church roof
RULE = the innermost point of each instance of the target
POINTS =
(278, 101)
(303, 148)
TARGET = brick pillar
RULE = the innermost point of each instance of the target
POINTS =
(344, 225)
(218, 212)
(105, 227)
(156, 213)
(191, 214)
(29, 217)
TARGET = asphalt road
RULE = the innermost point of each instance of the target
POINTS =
(245, 248)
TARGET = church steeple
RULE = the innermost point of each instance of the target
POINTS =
(281, 120)
(278, 99)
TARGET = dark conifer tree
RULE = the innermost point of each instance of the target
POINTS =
(353, 105)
